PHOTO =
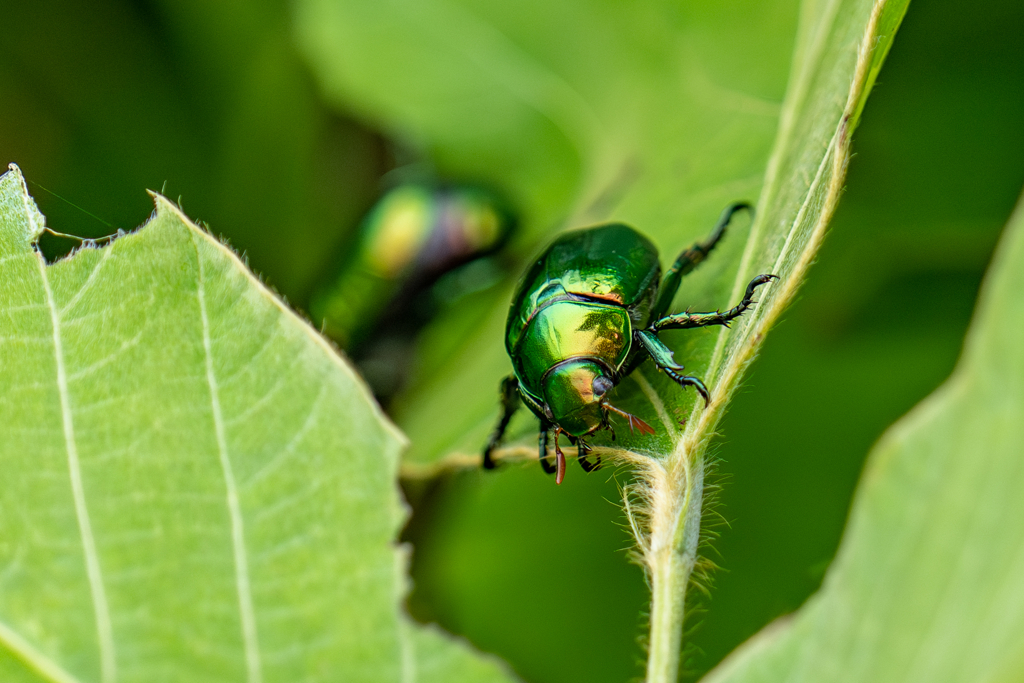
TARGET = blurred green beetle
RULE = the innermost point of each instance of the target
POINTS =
(585, 315)
(421, 247)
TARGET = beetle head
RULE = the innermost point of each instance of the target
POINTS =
(574, 391)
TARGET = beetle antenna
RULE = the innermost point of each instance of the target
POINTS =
(633, 420)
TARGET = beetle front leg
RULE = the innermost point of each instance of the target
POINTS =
(683, 321)
(509, 403)
(663, 358)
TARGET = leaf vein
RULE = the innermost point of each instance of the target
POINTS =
(104, 629)
(33, 658)
(247, 613)
(289, 447)
(88, 282)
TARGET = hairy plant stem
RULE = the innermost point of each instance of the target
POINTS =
(671, 555)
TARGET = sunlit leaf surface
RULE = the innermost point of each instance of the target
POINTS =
(195, 486)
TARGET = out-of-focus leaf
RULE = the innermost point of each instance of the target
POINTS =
(274, 139)
(86, 86)
(195, 486)
(927, 582)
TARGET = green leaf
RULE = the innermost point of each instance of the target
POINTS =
(927, 582)
(196, 487)
(440, 659)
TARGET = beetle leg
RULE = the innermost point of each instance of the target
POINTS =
(582, 449)
(606, 423)
(682, 321)
(662, 357)
(689, 259)
(509, 403)
(542, 447)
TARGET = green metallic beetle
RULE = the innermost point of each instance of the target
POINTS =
(417, 233)
(587, 314)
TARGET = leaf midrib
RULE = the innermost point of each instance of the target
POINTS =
(247, 612)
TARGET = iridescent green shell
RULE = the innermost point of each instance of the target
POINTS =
(580, 300)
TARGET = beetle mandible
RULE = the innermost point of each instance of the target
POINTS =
(586, 314)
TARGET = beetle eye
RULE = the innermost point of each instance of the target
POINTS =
(601, 385)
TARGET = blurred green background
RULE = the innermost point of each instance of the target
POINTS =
(211, 103)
